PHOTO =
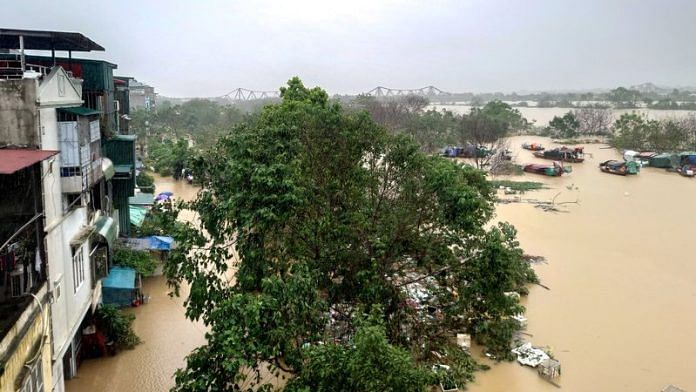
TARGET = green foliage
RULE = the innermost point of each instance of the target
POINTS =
(494, 270)
(117, 326)
(170, 157)
(632, 131)
(517, 185)
(566, 126)
(160, 220)
(141, 261)
(330, 213)
(505, 114)
(369, 363)
(145, 182)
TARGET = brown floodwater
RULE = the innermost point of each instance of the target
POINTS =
(620, 313)
(166, 333)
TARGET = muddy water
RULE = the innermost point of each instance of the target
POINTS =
(167, 335)
(542, 116)
(621, 310)
(620, 315)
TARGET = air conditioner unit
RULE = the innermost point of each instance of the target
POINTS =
(19, 286)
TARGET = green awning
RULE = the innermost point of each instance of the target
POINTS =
(142, 199)
(107, 228)
(126, 138)
(108, 168)
(80, 111)
(123, 169)
(137, 215)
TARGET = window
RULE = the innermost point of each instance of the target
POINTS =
(78, 264)
(34, 379)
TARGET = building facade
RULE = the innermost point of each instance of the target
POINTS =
(49, 109)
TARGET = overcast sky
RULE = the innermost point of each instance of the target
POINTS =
(207, 47)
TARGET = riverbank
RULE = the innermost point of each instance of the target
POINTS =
(621, 307)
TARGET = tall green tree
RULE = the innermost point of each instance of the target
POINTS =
(329, 216)
(567, 126)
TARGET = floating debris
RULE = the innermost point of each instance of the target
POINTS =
(672, 388)
(549, 368)
(530, 356)
(464, 341)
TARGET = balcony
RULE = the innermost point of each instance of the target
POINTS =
(22, 254)
(77, 179)
(22, 266)
(12, 70)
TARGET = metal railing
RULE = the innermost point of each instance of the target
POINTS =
(12, 69)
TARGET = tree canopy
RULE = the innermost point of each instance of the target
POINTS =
(313, 218)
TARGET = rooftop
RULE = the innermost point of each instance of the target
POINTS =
(12, 160)
(47, 40)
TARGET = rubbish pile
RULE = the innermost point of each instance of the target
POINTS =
(530, 356)
(546, 366)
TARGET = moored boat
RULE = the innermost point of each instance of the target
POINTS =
(621, 168)
(555, 170)
(564, 154)
(533, 146)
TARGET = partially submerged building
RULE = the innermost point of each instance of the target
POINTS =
(57, 110)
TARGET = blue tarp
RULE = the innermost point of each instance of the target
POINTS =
(119, 287)
(689, 159)
(158, 242)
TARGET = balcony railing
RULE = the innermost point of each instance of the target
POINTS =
(24, 269)
(78, 179)
(12, 69)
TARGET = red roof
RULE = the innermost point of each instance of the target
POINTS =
(12, 160)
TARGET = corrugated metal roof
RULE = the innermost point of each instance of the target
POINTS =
(142, 199)
(80, 111)
(47, 40)
(123, 168)
(13, 160)
(126, 138)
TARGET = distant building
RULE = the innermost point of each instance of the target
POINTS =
(141, 95)
(58, 222)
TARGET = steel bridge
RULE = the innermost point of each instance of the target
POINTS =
(427, 91)
(243, 94)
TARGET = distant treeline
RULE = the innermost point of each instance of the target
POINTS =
(170, 136)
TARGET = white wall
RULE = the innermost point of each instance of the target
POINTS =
(68, 308)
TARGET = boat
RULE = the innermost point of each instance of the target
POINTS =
(555, 170)
(687, 164)
(533, 146)
(621, 168)
(642, 158)
(565, 154)
(468, 151)
(687, 170)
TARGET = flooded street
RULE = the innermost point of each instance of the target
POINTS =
(166, 334)
(620, 313)
(621, 310)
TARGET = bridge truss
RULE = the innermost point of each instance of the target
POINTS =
(243, 94)
(427, 91)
